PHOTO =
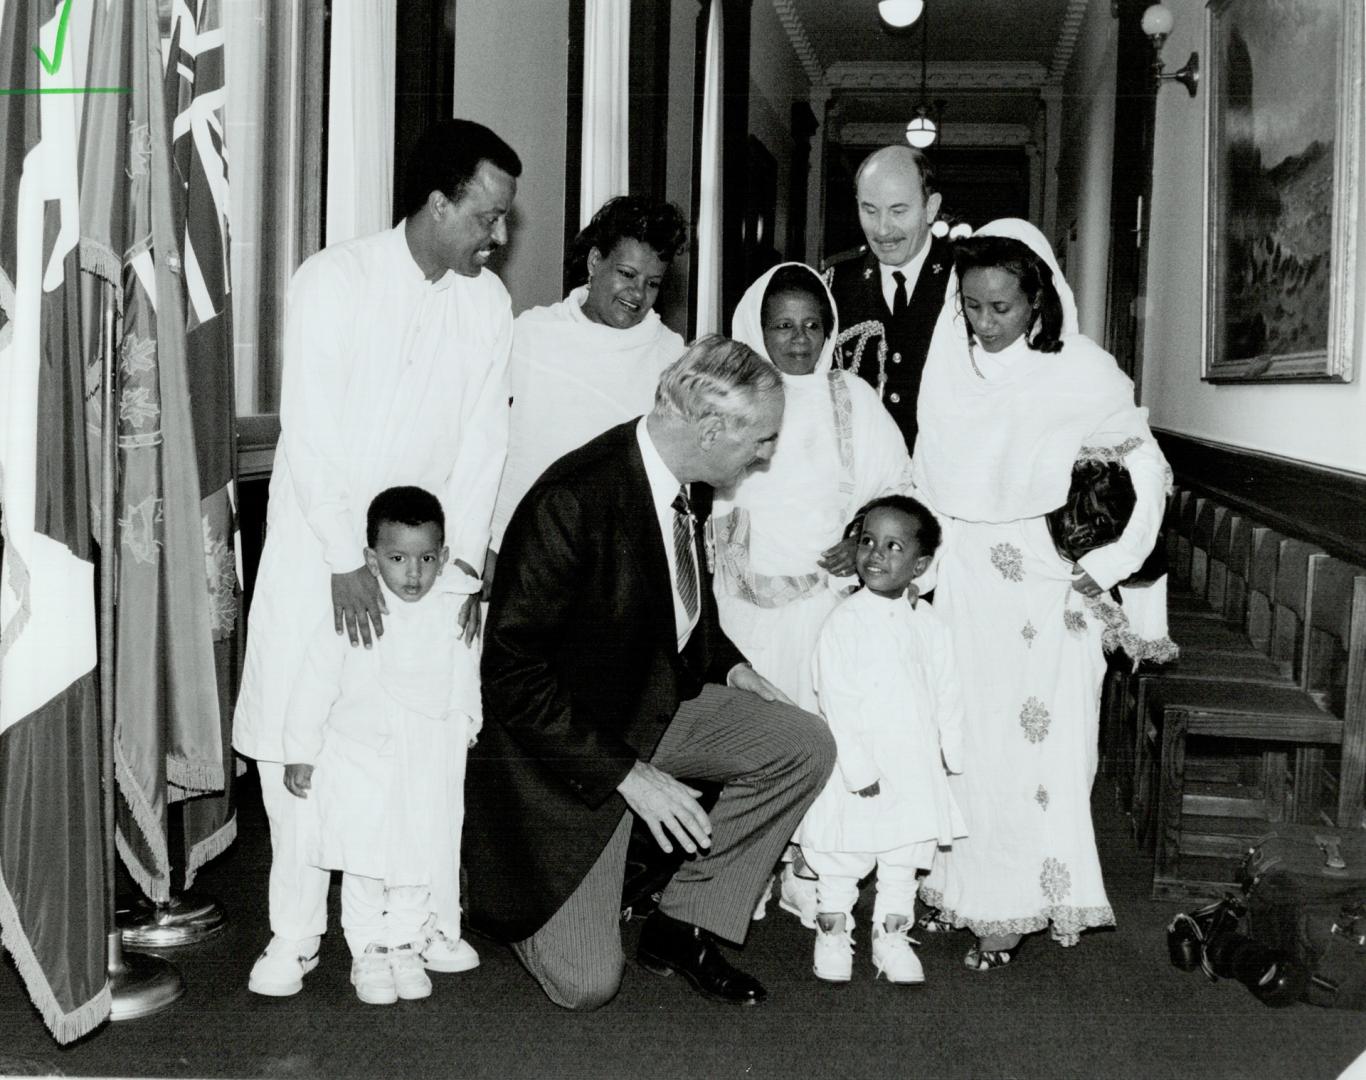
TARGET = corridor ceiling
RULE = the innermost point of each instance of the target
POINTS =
(988, 60)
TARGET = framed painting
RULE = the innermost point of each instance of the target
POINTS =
(1282, 188)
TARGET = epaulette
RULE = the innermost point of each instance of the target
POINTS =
(845, 256)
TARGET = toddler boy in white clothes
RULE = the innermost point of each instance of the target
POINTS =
(888, 688)
(375, 741)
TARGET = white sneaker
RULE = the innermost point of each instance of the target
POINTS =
(894, 957)
(834, 956)
(798, 896)
(409, 980)
(444, 954)
(279, 971)
(372, 977)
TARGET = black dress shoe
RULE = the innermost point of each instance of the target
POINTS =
(668, 945)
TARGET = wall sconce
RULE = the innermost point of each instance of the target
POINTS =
(1157, 24)
(900, 13)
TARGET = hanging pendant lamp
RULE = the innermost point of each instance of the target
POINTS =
(921, 132)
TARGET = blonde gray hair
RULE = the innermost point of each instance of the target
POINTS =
(715, 377)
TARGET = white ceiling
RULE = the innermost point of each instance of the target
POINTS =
(987, 59)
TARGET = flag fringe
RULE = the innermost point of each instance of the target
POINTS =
(103, 262)
(193, 777)
(156, 882)
(210, 848)
(156, 889)
(66, 1027)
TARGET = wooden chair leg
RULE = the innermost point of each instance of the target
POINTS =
(1307, 792)
(1274, 766)
(1170, 797)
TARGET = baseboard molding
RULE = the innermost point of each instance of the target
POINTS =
(1324, 506)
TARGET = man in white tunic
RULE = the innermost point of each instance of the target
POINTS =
(395, 373)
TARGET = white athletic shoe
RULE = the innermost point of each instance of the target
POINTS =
(798, 896)
(373, 977)
(410, 981)
(834, 955)
(279, 971)
(894, 957)
(444, 954)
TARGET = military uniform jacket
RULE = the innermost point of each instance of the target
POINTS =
(889, 355)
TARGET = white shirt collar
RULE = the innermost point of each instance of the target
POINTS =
(663, 484)
(911, 269)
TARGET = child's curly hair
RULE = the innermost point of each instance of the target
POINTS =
(927, 528)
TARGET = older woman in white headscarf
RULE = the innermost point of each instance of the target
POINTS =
(1013, 396)
(781, 560)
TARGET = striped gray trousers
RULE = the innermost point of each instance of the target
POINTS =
(773, 759)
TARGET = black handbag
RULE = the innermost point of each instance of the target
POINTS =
(1100, 502)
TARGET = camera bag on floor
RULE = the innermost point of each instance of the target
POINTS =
(1306, 895)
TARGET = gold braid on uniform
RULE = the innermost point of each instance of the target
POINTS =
(860, 334)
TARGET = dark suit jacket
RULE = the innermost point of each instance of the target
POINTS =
(581, 677)
(857, 286)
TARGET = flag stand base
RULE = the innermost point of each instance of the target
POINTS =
(140, 984)
(186, 919)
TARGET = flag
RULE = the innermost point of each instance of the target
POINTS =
(168, 734)
(196, 91)
(52, 900)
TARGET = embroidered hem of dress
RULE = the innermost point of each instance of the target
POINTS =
(1067, 922)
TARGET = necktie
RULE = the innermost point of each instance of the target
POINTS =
(899, 299)
(683, 557)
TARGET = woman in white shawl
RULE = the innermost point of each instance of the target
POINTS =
(1013, 395)
(592, 360)
(781, 560)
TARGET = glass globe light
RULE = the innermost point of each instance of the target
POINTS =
(1157, 19)
(921, 132)
(900, 13)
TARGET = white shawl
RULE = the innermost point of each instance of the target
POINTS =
(572, 379)
(1001, 448)
(799, 505)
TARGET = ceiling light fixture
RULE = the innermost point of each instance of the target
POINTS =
(921, 132)
(900, 13)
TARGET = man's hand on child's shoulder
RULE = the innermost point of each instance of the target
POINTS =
(299, 779)
(871, 791)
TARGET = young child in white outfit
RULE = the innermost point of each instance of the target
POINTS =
(888, 688)
(376, 740)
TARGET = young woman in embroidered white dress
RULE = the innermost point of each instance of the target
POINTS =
(1013, 395)
(781, 560)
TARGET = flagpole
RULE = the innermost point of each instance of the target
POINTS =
(140, 984)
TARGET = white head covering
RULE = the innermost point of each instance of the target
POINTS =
(790, 524)
(747, 324)
(999, 445)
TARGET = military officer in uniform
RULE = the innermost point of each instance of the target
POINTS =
(889, 292)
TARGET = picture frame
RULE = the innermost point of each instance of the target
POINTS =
(1282, 189)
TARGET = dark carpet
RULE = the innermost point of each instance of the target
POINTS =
(1112, 1007)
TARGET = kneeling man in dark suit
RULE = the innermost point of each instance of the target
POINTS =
(606, 675)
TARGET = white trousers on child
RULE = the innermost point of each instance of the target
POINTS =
(298, 890)
(374, 915)
(839, 873)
